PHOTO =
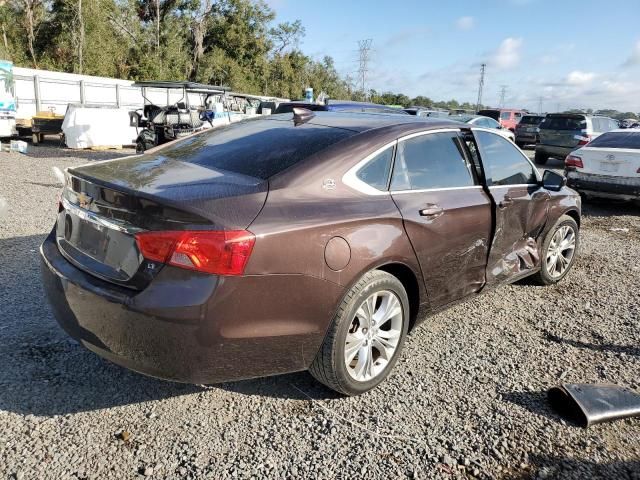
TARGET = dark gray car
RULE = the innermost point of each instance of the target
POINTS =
(561, 133)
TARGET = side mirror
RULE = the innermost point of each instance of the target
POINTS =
(553, 181)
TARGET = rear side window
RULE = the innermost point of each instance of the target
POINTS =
(376, 171)
(503, 163)
(429, 161)
(617, 140)
(564, 123)
(257, 148)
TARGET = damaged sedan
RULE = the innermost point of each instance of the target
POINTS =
(306, 241)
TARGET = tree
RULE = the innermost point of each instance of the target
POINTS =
(286, 35)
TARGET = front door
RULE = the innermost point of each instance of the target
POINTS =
(520, 205)
(447, 214)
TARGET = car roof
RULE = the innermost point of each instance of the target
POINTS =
(361, 122)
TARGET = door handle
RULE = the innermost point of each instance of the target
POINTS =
(506, 201)
(431, 211)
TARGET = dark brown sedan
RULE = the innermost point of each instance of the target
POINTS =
(282, 244)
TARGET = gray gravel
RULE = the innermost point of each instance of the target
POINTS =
(466, 401)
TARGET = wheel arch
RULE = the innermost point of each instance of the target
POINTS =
(573, 214)
(411, 284)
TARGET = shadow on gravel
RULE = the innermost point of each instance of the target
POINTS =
(44, 372)
(535, 402)
(574, 469)
(600, 207)
(600, 347)
(52, 147)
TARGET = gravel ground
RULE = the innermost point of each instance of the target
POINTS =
(467, 400)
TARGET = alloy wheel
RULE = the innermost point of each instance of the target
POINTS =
(373, 336)
(560, 251)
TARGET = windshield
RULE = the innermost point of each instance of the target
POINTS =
(564, 123)
(617, 140)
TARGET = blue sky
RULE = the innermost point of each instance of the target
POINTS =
(572, 54)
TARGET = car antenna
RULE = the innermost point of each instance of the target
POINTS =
(302, 115)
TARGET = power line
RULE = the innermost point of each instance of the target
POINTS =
(480, 86)
(364, 50)
(503, 94)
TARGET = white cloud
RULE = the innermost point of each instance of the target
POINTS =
(507, 55)
(465, 23)
(634, 59)
(579, 78)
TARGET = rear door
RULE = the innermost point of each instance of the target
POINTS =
(447, 214)
(520, 207)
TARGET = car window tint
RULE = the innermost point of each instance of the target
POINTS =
(617, 140)
(431, 161)
(491, 123)
(518, 114)
(257, 148)
(503, 163)
(505, 115)
(564, 123)
(376, 171)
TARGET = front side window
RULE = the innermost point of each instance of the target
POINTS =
(376, 172)
(505, 115)
(503, 163)
(431, 161)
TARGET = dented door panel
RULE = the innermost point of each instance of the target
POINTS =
(520, 218)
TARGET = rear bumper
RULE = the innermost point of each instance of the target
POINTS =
(193, 328)
(526, 137)
(604, 185)
(554, 151)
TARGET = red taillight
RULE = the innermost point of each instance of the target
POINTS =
(573, 161)
(217, 252)
(583, 140)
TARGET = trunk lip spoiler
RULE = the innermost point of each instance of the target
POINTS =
(99, 220)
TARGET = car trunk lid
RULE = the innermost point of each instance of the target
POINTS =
(610, 161)
(105, 204)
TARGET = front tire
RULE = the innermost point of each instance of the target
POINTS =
(366, 337)
(558, 251)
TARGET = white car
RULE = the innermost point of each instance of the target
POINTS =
(608, 166)
(485, 122)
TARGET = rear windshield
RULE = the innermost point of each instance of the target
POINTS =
(564, 123)
(258, 148)
(495, 114)
(531, 120)
(617, 140)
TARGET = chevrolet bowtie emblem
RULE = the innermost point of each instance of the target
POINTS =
(84, 200)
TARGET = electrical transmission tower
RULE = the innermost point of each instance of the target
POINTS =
(480, 86)
(364, 49)
(503, 94)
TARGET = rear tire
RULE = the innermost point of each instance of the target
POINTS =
(549, 273)
(347, 335)
(541, 158)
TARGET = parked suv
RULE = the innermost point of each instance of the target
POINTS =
(527, 130)
(562, 133)
(508, 117)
